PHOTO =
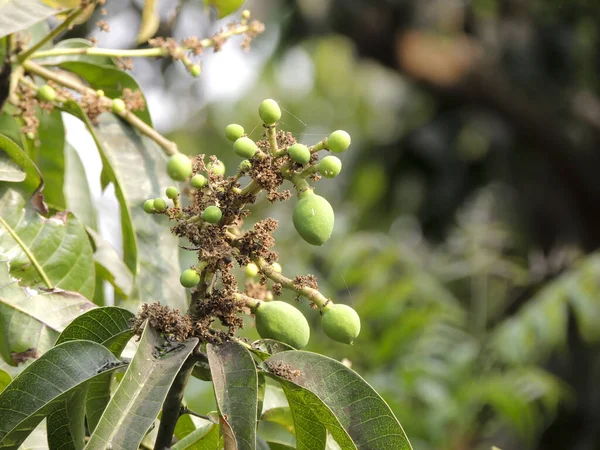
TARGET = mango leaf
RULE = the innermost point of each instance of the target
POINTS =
(110, 79)
(109, 326)
(49, 156)
(141, 393)
(110, 266)
(138, 166)
(274, 433)
(42, 388)
(225, 7)
(236, 385)
(5, 379)
(17, 167)
(55, 251)
(16, 15)
(77, 190)
(37, 440)
(356, 406)
(204, 438)
(264, 348)
(75, 43)
(30, 321)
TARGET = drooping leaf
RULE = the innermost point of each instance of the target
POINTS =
(203, 438)
(139, 167)
(75, 43)
(139, 397)
(17, 167)
(110, 267)
(16, 15)
(77, 190)
(49, 156)
(65, 425)
(42, 387)
(358, 408)
(108, 78)
(109, 326)
(225, 7)
(130, 249)
(274, 433)
(235, 383)
(30, 321)
(54, 251)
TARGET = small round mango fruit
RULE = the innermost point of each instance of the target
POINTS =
(245, 147)
(299, 153)
(313, 218)
(160, 205)
(172, 192)
(195, 70)
(340, 323)
(118, 106)
(218, 168)
(338, 141)
(282, 322)
(212, 214)
(234, 131)
(198, 181)
(149, 206)
(46, 93)
(330, 166)
(251, 270)
(276, 267)
(245, 166)
(269, 111)
(189, 278)
(179, 167)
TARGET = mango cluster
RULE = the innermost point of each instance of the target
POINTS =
(218, 206)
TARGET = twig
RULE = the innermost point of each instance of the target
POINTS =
(55, 32)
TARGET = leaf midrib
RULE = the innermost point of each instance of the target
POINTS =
(30, 255)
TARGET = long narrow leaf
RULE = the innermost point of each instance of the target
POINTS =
(140, 395)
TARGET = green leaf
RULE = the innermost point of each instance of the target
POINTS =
(225, 7)
(109, 79)
(264, 348)
(75, 43)
(236, 385)
(49, 156)
(110, 266)
(16, 15)
(275, 433)
(77, 190)
(17, 167)
(56, 250)
(109, 326)
(42, 388)
(204, 438)
(29, 320)
(5, 379)
(141, 393)
(138, 167)
(362, 413)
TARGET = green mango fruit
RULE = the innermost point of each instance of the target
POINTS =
(282, 322)
(313, 218)
(340, 323)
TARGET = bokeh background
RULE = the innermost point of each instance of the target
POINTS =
(468, 209)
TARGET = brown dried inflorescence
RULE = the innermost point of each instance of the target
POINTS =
(165, 320)
(284, 370)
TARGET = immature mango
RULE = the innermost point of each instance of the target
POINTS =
(233, 131)
(313, 218)
(46, 93)
(282, 322)
(340, 323)
(179, 167)
(269, 111)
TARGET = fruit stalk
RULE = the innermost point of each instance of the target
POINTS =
(312, 294)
